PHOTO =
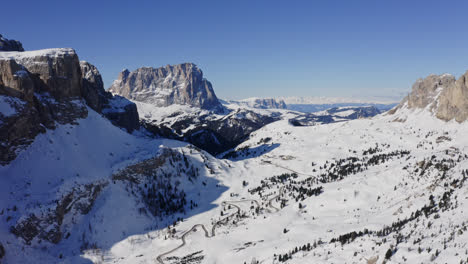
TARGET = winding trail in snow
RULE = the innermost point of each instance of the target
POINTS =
(282, 167)
(205, 230)
(270, 202)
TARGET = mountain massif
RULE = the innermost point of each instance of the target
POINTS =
(177, 102)
(40, 89)
(129, 175)
(181, 84)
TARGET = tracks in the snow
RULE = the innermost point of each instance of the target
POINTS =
(205, 230)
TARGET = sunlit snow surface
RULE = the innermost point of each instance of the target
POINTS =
(370, 199)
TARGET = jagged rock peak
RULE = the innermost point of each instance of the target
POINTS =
(120, 111)
(443, 95)
(93, 86)
(174, 84)
(10, 44)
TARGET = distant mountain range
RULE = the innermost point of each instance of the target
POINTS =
(260, 103)
(322, 100)
(311, 104)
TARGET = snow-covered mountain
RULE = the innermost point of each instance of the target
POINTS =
(78, 186)
(323, 100)
(72, 178)
(214, 127)
(261, 103)
(40, 89)
(211, 131)
(177, 102)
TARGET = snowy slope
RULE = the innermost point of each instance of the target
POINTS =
(65, 184)
(387, 201)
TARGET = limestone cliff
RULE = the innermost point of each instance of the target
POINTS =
(442, 95)
(181, 84)
(40, 89)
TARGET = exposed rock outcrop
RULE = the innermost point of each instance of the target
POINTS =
(174, 84)
(198, 116)
(453, 101)
(53, 71)
(39, 89)
(443, 95)
(93, 87)
(120, 111)
(10, 44)
(77, 201)
(425, 91)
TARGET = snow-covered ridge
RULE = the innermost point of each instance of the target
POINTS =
(260, 103)
(18, 55)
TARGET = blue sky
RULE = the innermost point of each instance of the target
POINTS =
(258, 48)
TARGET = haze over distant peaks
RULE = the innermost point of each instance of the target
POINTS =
(338, 100)
(261, 103)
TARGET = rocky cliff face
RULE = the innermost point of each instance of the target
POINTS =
(181, 84)
(93, 87)
(10, 44)
(193, 113)
(443, 95)
(48, 226)
(39, 89)
(120, 111)
(453, 101)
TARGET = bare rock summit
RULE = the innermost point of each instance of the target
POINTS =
(10, 44)
(181, 84)
(443, 95)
